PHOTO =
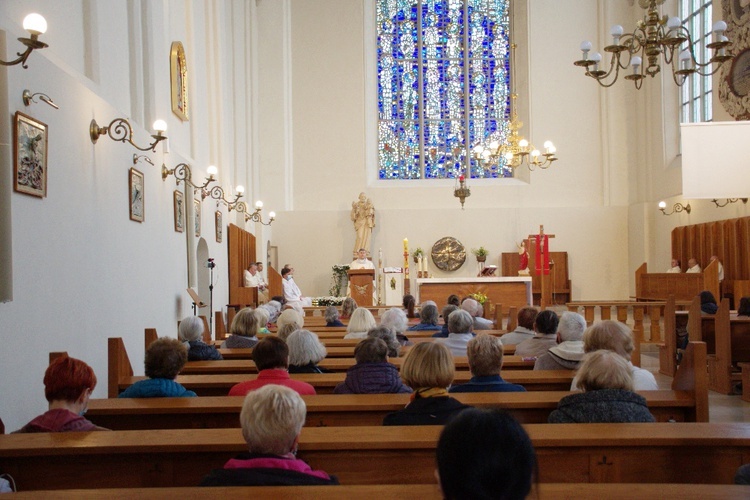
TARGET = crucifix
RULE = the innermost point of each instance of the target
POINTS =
(542, 264)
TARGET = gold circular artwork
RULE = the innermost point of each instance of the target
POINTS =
(448, 254)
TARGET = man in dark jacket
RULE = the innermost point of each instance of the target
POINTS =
(372, 374)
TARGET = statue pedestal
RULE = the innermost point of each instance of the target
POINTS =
(360, 286)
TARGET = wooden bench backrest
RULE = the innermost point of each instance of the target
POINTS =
(119, 366)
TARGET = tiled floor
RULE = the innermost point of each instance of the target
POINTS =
(721, 408)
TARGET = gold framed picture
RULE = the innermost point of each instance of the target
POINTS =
(137, 203)
(179, 79)
(197, 208)
(29, 156)
(179, 211)
(219, 227)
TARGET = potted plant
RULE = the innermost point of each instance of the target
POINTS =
(416, 254)
(481, 253)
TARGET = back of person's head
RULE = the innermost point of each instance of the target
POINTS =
(571, 326)
(485, 354)
(460, 321)
(485, 454)
(708, 302)
(609, 335)
(245, 323)
(331, 314)
(471, 306)
(272, 418)
(395, 319)
(271, 352)
(165, 357)
(348, 306)
(546, 322)
(261, 317)
(305, 348)
(290, 316)
(744, 308)
(454, 300)
(447, 310)
(278, 298)
(604, 369)
(362, 320)
(371, 350)
(66, 379)
(389, 337)
(409, 304)
(428, 364)
(527, 317)
(428, 314)
(286, 330)
(191, 329)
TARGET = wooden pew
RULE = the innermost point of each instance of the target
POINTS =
(614, 453)
(684, 286)
(339, 349)
(732, 341)
(579, 491)
(330, 410)
(219, 385)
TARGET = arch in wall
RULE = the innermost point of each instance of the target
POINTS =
(204, 276)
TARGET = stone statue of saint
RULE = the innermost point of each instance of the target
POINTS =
(363, 216)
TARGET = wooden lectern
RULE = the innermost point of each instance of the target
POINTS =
(360, 285)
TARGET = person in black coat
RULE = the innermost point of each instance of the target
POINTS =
(608, 395)
(191, 331)
(429, 370)
(272, 418)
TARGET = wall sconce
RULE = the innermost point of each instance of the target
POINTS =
(182, 172)
(36, 25)
(143, 158)
(217, 193)
(728, 201)
(28, 98)
(678, 207)
(256, 216)
(120, 130)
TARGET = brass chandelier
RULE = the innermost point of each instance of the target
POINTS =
(652, 37)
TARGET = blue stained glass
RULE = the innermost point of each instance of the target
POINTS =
(427, 125)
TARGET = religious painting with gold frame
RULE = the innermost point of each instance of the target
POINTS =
(179, 76)
(135, 189)
(219, 227)
(179, 211)
(197, 208)
(29, 156)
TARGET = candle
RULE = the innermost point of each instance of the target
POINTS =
(406, 245)
(426, 270)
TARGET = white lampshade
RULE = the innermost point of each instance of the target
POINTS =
(674, 23)
(272, 215)
(616, 30)
(258, 204)
(523, 143)
(596, 57)
(719, 27)
(35, 24)
(662, 204)
(240, 189)
(585, 46)
(212, 170)
(160, 126)
(635, 61)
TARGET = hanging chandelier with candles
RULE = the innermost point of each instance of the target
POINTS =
(642, 49)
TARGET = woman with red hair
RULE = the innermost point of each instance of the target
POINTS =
(68, 383)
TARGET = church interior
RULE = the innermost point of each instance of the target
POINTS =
(281, 97)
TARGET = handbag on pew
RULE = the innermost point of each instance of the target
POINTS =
(7, 484)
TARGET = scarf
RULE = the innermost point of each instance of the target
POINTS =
(429, 392)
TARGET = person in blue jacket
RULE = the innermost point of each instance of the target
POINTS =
(165, 358)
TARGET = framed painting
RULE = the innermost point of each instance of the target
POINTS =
(179, 80)
(197, 207)
(29, 156)
(219, 227)
(135, 188)
(179, 211)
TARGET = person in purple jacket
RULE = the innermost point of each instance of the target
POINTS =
(68, 383)
(372, 374)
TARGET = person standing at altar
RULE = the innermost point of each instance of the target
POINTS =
(292, 293)
(676, 268)
(694, 267)
(362, 262)
(254, 279)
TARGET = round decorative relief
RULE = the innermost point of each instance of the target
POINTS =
(448, 254)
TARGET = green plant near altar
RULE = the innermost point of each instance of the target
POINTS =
(337, 280)
(418, 253)
(479, 297)
(480, 252)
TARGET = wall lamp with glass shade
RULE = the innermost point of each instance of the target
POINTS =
(120, 130)
(36, 25)
(678, 207)
(727, 201)
(182, 172)
(256, 215)
(217, 193)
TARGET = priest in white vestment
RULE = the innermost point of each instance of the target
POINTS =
(362, 262)
(292, 293)
(694, 267)
(675, 267)
(254, 279)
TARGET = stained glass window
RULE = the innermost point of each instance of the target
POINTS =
(429, 53)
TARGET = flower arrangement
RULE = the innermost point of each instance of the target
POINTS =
(337, 280)
(480, 252)
(479, 297)
(327, 301)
